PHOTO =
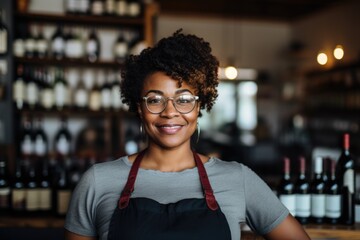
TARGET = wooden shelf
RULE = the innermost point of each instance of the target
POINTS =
(67, 62)
(31, 221)
(74, 112)
(87, 20)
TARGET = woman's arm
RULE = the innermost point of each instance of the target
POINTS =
(289, 229)
(73, 236)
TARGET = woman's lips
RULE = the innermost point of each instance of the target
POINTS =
(169, 129)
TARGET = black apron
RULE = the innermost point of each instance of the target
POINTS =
(143, 218)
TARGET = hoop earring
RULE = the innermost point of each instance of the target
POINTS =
(198, 131)
(142, 133)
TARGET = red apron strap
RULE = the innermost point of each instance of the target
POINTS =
(129, 187)
(208, 192)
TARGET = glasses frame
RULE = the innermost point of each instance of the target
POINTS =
(174, 104)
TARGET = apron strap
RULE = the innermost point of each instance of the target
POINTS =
(208, 192)
(129, 187)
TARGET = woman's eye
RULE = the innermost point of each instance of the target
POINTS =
(154, 100)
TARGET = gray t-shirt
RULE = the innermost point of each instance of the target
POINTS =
(241, 194)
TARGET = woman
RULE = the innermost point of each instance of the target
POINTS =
(168, 191)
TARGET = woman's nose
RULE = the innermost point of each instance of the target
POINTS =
(170, 110)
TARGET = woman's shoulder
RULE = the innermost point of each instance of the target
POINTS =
(117, 165)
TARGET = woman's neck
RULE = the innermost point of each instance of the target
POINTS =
(168, 160)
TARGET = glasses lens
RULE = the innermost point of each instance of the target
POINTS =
(184, 103)
(155, 103)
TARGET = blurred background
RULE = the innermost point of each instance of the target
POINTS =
(289, 82)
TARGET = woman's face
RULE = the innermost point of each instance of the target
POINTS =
(169, 128)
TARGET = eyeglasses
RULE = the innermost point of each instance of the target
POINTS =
(183, 103)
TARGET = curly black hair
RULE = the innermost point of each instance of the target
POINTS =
(186, 58)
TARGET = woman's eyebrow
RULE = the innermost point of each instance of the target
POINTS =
(176, 92)
(154, 91)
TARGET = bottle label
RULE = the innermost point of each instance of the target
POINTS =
(58, 45)
(121, 49)
(91, 47)
(349, 177)
(97, 8)
(47, 98)
(332, 206)
(95, 101)
(116, 97)
(19, 48)
(45, 199)
(134, 9)
(318, 205)
(63, 199)
(32, 93)
(27, 145)
(40, 146)
(3, 41)
(4, 197)
(303, 205)
(110, 6)
(30, 45)
(74, 48)
(19, 90)
(63, 146)
(32, 199)
(18, 199)
(289, 202)
(42, 46)
(60, 93)
(106, 98)
(121, 8)
(81, 98)
(84, 5)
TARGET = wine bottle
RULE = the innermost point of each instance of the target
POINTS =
(106, 94)
(45, 188)
(62, 190)
(84, 7)
(302, 194)
(26, 139)
(121, 48)
(18, 189)
(286, 188)
(332, 197)
(4, 187)
(110, 7)
(95, 97)
(63, 140)
(61, 91)
(97, 7)
(58, 43)
(32, 89)
(19, 42)
(116, 102)
(32, 194)
(93, 47)
(317, 189)
(19, 91)
(4, 34)
(134, 8)
(40, 141)
(121, 8)
(47, 93)
(81, 95)
(30, 44)
(41, 44)
(345, 171)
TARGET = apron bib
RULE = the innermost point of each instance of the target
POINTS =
(190, 219)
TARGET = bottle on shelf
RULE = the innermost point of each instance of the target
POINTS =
(32, 89)
(345, 171)
(95, 97)
(40, 141)
(116, 101)
(32, 192)
(19, 42)
(18, 189)
(61, 90)
(26, 139)
(110, 7)
(134, 8)
(93, 47)
(47, 92)
(317, 189)
(58, 43)
(97, 7)
(30, 43)
(105, 93)
(4, 187)
(62, 189)
(121, 48)
(332, 197)
(286, 188)
(19, 90)
(74, 46)
(302, 194)
(41, 44)
(81, 95)
(71, 6)
(4, 34)
(121, 8)
(63, 140)
(45, 188)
